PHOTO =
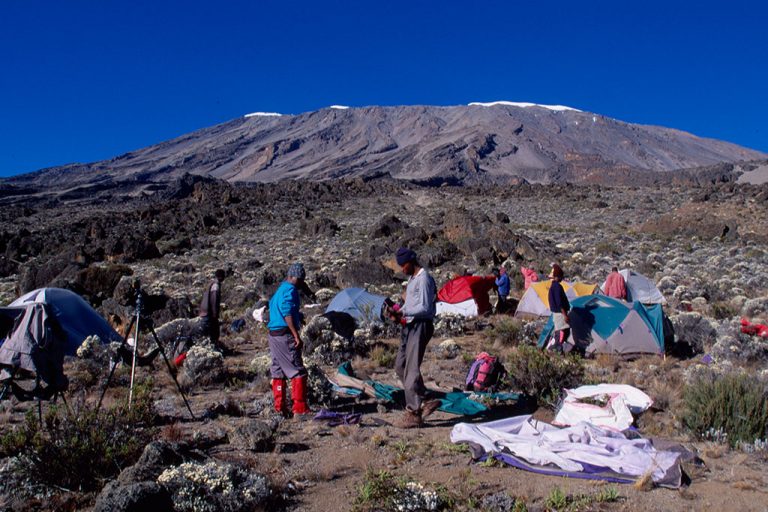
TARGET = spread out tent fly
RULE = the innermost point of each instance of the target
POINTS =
(361, 305)
(640, 288)
(45, 325)
(604, 325)
(581, 451)
(466, 295)
(535, 300)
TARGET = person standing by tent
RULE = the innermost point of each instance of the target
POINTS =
(285, 343)
(502, 288)
(416, 316)
(615, 286)
(530, 276)
(559, 306)
(210, 308)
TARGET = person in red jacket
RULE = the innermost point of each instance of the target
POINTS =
(615, 286)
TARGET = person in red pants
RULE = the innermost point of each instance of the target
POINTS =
(285, 343)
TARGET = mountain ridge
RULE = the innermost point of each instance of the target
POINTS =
(460, 144)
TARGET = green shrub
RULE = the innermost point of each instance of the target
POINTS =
(732, 407)
(559, 501)
(543, 374)
(378, 491)
(80, 450)
(724, 310)
(382, 491)
(383, 356)
(607, 249)
(507, 331)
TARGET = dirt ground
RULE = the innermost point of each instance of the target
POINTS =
(325, 466)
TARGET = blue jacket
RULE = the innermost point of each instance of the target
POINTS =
(284, 302)
(502, 283)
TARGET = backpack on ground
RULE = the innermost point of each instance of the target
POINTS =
(485, 373)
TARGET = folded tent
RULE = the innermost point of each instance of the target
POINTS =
(535, 301)
(604, 325)
(466, 295)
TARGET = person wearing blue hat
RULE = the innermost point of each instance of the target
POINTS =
(416, 316)
(285, 343)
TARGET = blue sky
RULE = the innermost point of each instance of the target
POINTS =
(87, 80)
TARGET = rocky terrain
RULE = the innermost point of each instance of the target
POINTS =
(475, 143)
(705, 245)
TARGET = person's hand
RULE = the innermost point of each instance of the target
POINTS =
(299, 344)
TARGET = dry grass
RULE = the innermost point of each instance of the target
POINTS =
(172, 433)
(345, 430)
(321, 473)
(608, 362)
(667, 394)
(262, 384)
(644, 483)
(744, 486)
(715, 451)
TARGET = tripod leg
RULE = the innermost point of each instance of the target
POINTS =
(171, 372)
(133, 361)
(114, 366)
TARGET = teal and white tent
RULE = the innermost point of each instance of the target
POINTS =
(604, 325)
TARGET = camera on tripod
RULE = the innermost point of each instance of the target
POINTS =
(141, 321)
(141, 310)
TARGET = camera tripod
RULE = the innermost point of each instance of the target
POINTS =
(136, 320)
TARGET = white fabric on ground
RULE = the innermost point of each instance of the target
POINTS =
(568, 448)
(623, 401)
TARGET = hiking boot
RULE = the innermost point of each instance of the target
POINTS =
(409, 419)
(428, 407)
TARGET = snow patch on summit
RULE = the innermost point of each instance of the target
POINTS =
(263, 114)
(522, 105)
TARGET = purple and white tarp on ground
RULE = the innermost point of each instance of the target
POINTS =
(580, 451)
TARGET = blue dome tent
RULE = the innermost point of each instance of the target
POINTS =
(361, 305)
